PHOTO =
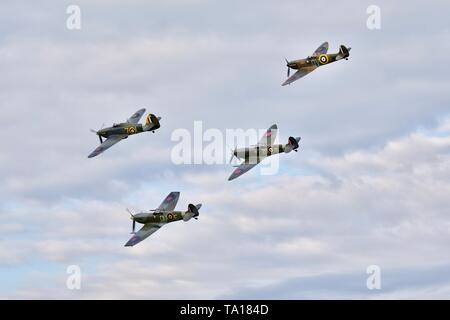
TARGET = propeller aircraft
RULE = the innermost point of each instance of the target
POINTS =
(265, 148)
(317, 59)
(120, 131)
(153, 220)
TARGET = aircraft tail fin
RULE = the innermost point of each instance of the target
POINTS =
(344, 52)
(152, 122)
(192, 212)
(292, 144)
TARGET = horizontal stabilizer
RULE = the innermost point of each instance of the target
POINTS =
(152, 122)
(192, 212)
(344, 52)
(292, 144)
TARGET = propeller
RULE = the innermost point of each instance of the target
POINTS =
(232, 155)
(134, 222)
(96, 132)
(232, 152)
(289, 69)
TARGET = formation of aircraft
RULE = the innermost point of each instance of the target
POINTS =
(249, 156)
(120, 131)
(153, 220)
(311, 63)
(265, 148)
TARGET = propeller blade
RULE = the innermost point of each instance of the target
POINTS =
(289, 69)
(134, 221)
(128, 210)
(100, 138)
(92, 130)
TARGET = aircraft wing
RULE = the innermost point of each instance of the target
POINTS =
(136, 116)
(239, 171)
(299, 74)
(147, 230)
(108, 143)
(169, 202)
(269, 137)
(321, 50)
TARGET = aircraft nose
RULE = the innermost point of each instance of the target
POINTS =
(291, 64)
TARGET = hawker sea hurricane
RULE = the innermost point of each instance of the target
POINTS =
(120, 131)
(155, 219)
(311, 63)
(265, 148)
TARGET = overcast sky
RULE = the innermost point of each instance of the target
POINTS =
(370, 185)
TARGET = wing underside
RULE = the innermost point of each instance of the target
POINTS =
(299, 74)
(269, 137)
(147, 230)
(169, 202)
(108, 143)
(136, 116)
(239, 171)
(321, 50)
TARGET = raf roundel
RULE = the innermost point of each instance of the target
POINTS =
(323, 59)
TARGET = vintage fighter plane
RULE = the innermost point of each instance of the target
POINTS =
(155, 219)
(265, 148)
(120, 131)
(317, 59)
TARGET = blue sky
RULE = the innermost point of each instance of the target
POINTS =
(369, 186)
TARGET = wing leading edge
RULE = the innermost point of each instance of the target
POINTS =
(321, 50)
(108, 143)
(136, 116)
(147, 230)
(269, 137)
(239, 171)
(169, 202)
(299, 74)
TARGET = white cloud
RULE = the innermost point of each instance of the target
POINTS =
(381, 206)
(373, 190)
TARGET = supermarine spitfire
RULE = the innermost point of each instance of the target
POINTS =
(120, 131)
(153, 220)
(317, 59)
(265, 148)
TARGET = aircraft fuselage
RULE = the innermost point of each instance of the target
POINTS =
(317, 61)
(121, 129)
(258, 153)
(159, 217)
